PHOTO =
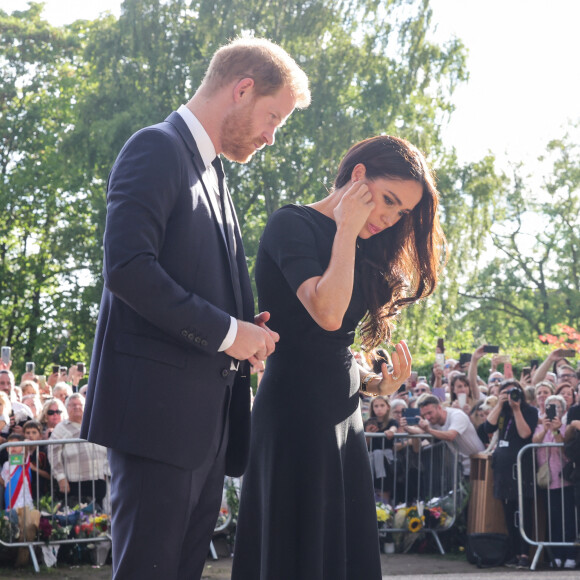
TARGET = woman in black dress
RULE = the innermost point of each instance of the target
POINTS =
(364, 252)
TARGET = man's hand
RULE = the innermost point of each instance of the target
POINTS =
(252, 343)
(64, 486)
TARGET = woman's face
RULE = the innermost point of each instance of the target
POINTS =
(568, 395)
(380, 408)
(460, 387)
(53, 419)
(393, 198)
(542, 393)
(397, 412)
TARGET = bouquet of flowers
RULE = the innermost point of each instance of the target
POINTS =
(385, 515)
(410, 518)
(435, 517)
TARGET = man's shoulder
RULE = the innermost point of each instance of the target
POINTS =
(574, 413)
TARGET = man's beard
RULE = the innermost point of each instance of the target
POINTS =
(236, 133)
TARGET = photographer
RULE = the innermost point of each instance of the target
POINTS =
(515, 422)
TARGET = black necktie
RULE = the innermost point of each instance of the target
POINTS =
(228, 225)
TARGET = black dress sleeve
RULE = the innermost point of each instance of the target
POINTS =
(290, 240)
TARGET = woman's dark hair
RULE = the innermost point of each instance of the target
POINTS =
(401, 264)
(458, 377)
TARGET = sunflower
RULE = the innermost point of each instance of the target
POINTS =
(415, 525)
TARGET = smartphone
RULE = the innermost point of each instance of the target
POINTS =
(569, 353)
(440, 359)
(464, 357)
(63, 370)
(422, 379)
(440, 346)
(81, 367)
(412, 416)
(55, 369)
(551, 412)
(490, 348)
(535, 363)
(526, 371)
(6, 355)
(41, 381)
(30, 366)
(503, 358)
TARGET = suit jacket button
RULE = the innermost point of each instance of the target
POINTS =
(197, 340)
(184, 333)
(190, 337)
(204, 342)
(225, 373)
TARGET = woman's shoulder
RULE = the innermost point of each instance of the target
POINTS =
(303, 213)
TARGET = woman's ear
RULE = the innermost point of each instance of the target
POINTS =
(358, 173)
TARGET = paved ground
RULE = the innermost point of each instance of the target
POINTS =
(395, 567)
(421, 567)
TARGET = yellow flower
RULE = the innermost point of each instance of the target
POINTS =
(415, 525)
(381, 515)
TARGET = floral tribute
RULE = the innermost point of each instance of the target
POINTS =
(412, 518)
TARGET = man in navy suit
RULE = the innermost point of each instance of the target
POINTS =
(169, 390)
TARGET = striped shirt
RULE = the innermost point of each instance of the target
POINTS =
(76, 461)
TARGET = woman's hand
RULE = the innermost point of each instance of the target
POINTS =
(392, 380)
(371, 428)
(354, 208)
(390, 433)
(556, 424)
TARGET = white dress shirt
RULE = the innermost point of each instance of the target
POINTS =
(208, 154)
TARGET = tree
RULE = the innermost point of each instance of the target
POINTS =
(46, 232)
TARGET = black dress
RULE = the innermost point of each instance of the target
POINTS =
(307, 509)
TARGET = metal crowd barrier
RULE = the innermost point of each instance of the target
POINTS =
(49, 520)
(424, 477)
(544, 506)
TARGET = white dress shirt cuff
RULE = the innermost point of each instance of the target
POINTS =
(230, 336)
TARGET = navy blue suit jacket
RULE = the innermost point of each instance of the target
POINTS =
(157, 382)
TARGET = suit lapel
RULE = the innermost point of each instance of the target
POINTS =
(208, 179)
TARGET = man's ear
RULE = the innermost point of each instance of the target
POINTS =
(243, 89)
(358, 173)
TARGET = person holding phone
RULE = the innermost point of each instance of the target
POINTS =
(551, 429)
(450, 425)
(494, 379)
(368, 249)
(553, 362)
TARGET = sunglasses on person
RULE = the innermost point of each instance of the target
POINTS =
(494, 380)
(53, 412)
(421, 390)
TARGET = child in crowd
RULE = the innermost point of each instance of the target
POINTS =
(40, 468)
(16, 476)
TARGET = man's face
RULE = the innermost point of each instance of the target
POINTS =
(75, 409)
(252, 124)
(5, 383)
(431, 413)
(567, 376)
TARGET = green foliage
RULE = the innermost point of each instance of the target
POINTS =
(71, 96)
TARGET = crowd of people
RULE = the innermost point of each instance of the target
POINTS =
(499, 417)
(39, 409)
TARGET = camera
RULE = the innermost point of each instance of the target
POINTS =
(515, 394)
